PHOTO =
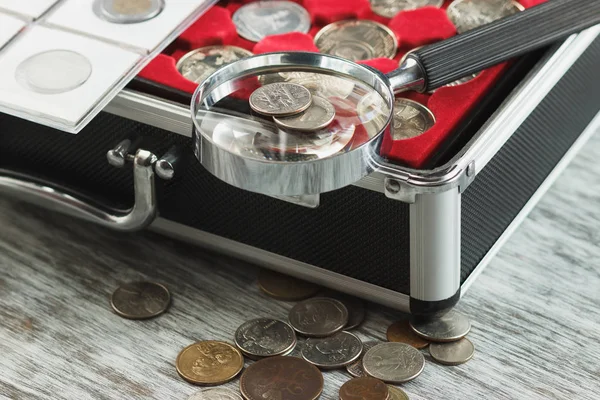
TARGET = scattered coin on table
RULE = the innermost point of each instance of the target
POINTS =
(265, 337)
(320, 114)
(410, 119)
(284, 287)
(393, 362)
(470, 14)
(334, 351)
(199, 64)
(357, 40)
(281, 378)
(209, 362)
(365, 388)
(257, 20)
(280, 99)
(453, 353)
(140, 300)
(449, 327)
(397, 393)
(355, 306)
(318, 317)
(356, 368)
(215, 394)
(402, 332)
(389, 8)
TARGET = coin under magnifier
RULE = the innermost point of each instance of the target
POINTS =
(322, 85)
(259, 19)
(470, 14)
(280, 99)
(357, 40)
(320, 114)
(389, 8)
(410, 119)
(54, 71)
(128, 11)
(199, 64)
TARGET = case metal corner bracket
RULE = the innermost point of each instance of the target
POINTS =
(407, 190)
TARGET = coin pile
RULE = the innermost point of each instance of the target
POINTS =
(292, 106)
(325, 321)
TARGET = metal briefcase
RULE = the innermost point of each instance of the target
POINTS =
(412, 239)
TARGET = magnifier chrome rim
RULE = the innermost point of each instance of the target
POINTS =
(306, 62)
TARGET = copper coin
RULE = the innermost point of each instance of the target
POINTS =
(140, 300)
(281, 378)
(402, 332)
(209, 362)
(397, 393)
(283, 287)
(365, 388)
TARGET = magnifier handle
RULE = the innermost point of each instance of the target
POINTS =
(445, 62)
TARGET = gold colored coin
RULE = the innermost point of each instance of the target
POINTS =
(401, 332)
(283, 287)
(209, 363)
(397, 393)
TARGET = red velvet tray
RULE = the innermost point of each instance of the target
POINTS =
(450, 105)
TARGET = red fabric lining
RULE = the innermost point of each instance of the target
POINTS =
(414, 28)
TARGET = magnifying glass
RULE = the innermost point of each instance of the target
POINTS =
(256, 151)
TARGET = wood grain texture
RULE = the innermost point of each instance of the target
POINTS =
(535, 310)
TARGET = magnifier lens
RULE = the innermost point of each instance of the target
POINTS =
(344, 114)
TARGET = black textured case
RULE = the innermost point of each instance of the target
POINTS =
(355, 232)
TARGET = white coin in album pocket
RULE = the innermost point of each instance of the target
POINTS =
(53, 71)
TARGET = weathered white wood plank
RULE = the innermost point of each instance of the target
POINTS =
(535, 310)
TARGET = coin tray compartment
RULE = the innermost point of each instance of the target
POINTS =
(31, 9)
(450, 105)
(108, 64)
(9, 27)
(78, 15)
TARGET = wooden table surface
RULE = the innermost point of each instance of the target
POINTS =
(535, 310)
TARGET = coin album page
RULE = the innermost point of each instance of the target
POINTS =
(45, 44)
(105, 66)
(79, 16)
(30, 9)
(9, 28)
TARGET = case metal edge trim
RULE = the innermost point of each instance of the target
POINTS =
(298, 269)
(491, 137)
(589, 131)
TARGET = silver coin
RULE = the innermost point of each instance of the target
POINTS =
(389, 8)
(320, 114)
(397, 393)
(453, 353)
(259, 19)
(464, 80)
(128, 11)
(323, 85)
(199, 64)
(54, 71)
(356, 368)
(470, 14)
(393, 362)
(448, 328)
(215, 394)
(280, 99)
(357, 40)
(265, 337)
(140, 300)
(410, 119)
(318, 317)
(335, 351)
(355, 307)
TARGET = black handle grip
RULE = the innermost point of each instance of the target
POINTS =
(473, 51)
